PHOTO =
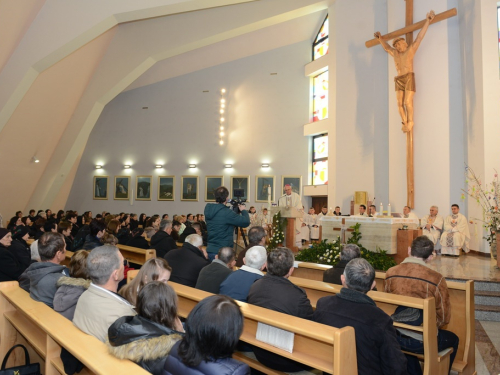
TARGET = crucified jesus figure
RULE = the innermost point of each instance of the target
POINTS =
(405, 81)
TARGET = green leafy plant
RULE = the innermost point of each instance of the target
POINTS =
(329, 252)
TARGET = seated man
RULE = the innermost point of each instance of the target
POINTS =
(336, 212)
(377, 348)
(93, 239)
(162, 241)
(188, 261)
(333, 275)
(456, 234)
(256, 237)
(362, 210)
(43, 275)
(414, 278)
(238, 283)
(373, 211)
(407, 214)
(215, 273)
(432, 225)
(100, 305)
(275, 292)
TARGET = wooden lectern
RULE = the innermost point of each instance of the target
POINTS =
(291, 214)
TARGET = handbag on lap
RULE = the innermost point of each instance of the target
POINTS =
(26, 369)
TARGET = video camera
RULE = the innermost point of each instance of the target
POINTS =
(236, 200)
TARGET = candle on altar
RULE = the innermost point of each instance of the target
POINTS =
(269, 199)
(389, 209)
(381, 209)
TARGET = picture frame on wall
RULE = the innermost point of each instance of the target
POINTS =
(101, 187)
(262, 183)
(166, 188)
(143, 188)
(294, 181)
(122, 187)
(240, 187)
(212, 183)
(189, 188)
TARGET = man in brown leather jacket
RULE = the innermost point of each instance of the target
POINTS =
(414, 278)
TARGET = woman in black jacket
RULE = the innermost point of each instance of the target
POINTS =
(10, 268)
(138, 239)
(147, 338)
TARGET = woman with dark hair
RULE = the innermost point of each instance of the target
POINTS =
(10, 268)
(38, 227)
(154, 222)
(14, 222)
(176, 226)
(142, 220)
(133, 222)
(19, 247)
(59, 216)
(123, 234)
(213, 329)
(138, 239)
(148, 337)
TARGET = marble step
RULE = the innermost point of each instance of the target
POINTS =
(487, 286)
(487, 312)
(489, 298)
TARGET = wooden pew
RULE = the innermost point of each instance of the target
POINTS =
(434, 362)
(132, 254)
(44, 332)
(322, 347)
(462, 321)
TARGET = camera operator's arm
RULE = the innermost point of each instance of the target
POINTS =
(242, 220)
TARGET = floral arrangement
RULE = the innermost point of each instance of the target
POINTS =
(329, 252)
(278, 234)
(487, 196)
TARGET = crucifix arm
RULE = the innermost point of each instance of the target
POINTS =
(428, 19)
(384, 44)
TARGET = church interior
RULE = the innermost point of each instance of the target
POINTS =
(133, 89)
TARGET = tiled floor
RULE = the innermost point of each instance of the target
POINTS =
(487, 347)
(467, 266)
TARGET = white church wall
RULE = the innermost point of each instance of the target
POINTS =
(360, 103)
(265, 117)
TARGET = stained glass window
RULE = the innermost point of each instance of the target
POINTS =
(320, 96)
(320, 160)
(320, 45)
(498, 24)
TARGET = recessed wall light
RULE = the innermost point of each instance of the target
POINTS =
(127, 166)
(228, 165)
(192, 165)
(34, 159)
(158, 166)
(265, 165)
(98, 166)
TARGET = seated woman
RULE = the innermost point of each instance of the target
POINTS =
(14, 222)
(213, 329)
(69, 289)
(19, 247)
(138, 239)
(155, 269)
(10, 268)
(147, 337)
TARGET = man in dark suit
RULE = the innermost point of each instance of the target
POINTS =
(162, 241)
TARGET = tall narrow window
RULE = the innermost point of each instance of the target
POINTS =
(320, 96)
(320, 45)
(498, 24)
(320, 160)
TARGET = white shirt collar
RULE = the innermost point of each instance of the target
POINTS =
(250, 269)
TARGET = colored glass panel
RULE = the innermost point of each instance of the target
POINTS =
(320, 172)
(320, 97)
(321, 49)
(320, 147)
(498, 24)
(323, 32)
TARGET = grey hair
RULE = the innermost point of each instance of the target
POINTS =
(436, 207)
(195, 240)
(101, 263)
(349, 252)
(165, 223)
(226, 254)
(256, 257)
(359, 275)
(150, 231)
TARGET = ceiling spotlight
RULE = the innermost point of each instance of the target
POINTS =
(223, 91)
(221, 127)
(221, 142)
(221, 111)
(192, 165)
(228, 165)
(223, 101)
(98, 166)
(221, 134)
(127, 166)
(265, 165)
(223, 106)
(158, 166)
(34, 159)
(222, 119)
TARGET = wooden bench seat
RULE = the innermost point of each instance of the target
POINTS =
(462, 321)
(326, 348)
(44, 332)
(132, 254)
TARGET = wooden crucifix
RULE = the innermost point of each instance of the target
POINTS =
(403, 53)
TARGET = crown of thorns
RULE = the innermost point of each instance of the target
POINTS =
(396, 41)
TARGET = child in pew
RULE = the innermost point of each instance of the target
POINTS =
(148, 337)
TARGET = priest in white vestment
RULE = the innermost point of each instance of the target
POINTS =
(362, 211)
(432, 225)
(291, 199)
(456, 234)
(373, 211)
(407, 214)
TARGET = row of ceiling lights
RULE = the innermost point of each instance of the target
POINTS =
(159, 166)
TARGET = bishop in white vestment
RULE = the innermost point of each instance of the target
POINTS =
(291, 199)
(432, 225)
(456, 234)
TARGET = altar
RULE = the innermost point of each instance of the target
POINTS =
(375, 231)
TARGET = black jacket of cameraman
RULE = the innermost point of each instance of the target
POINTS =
(221, 222)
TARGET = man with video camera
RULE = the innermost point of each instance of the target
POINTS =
(222, 220)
